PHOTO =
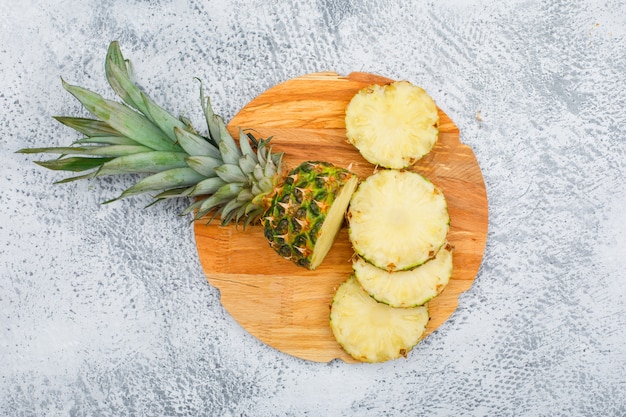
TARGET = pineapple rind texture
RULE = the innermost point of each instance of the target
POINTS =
(371, 331)
(392, 125)
(397, 220)
(295, 219)
(406, 288)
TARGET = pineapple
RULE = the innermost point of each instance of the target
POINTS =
(294, 223)
(397, 220)
(406, 288)
(392, 125)
(301, 211)
(371, 331)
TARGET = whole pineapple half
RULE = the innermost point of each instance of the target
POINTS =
(370, 331)
(410, 288)
(309, 207)
(241, 182)
(392, 125)
(397, 220)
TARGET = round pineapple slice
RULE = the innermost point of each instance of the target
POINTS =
(397, 220)
(371, 331)
(392, 125)
(406, 288)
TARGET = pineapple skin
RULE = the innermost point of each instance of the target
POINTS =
(295, 216)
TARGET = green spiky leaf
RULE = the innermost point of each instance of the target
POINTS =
(110, 151)
(172, 178)
(207, 187)
(123, 119)
(205, 165)
(118, 76)
(74, 164)
(88, 127)
(146, 162)
(107, 140)
(194, 144)
(231, 173)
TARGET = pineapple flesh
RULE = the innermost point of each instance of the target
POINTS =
(406, 288)
(397, 220)
(371, 331)
(238, 181)
(392, 125)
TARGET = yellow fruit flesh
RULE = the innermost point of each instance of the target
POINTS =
(392, 125)
(332, 223)
(398, 220)
(371, 331)
(406, 288)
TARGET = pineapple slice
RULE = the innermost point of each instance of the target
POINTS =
(406, 288)
(397, 220)
(371, 331)
(392, 125)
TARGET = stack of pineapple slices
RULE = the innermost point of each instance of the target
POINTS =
(398, 226)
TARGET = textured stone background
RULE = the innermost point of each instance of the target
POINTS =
(105, 310)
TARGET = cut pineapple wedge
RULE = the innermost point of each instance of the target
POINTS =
(332, 223)
(397, 220)
(371, 331)
(406, 288)
(392, 125)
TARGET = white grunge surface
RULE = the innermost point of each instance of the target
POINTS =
(105, 309)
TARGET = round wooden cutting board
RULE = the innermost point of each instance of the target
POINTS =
(285, 306)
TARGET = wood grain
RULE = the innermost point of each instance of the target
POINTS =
(285, 306)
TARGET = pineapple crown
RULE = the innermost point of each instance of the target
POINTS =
(226, 179)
